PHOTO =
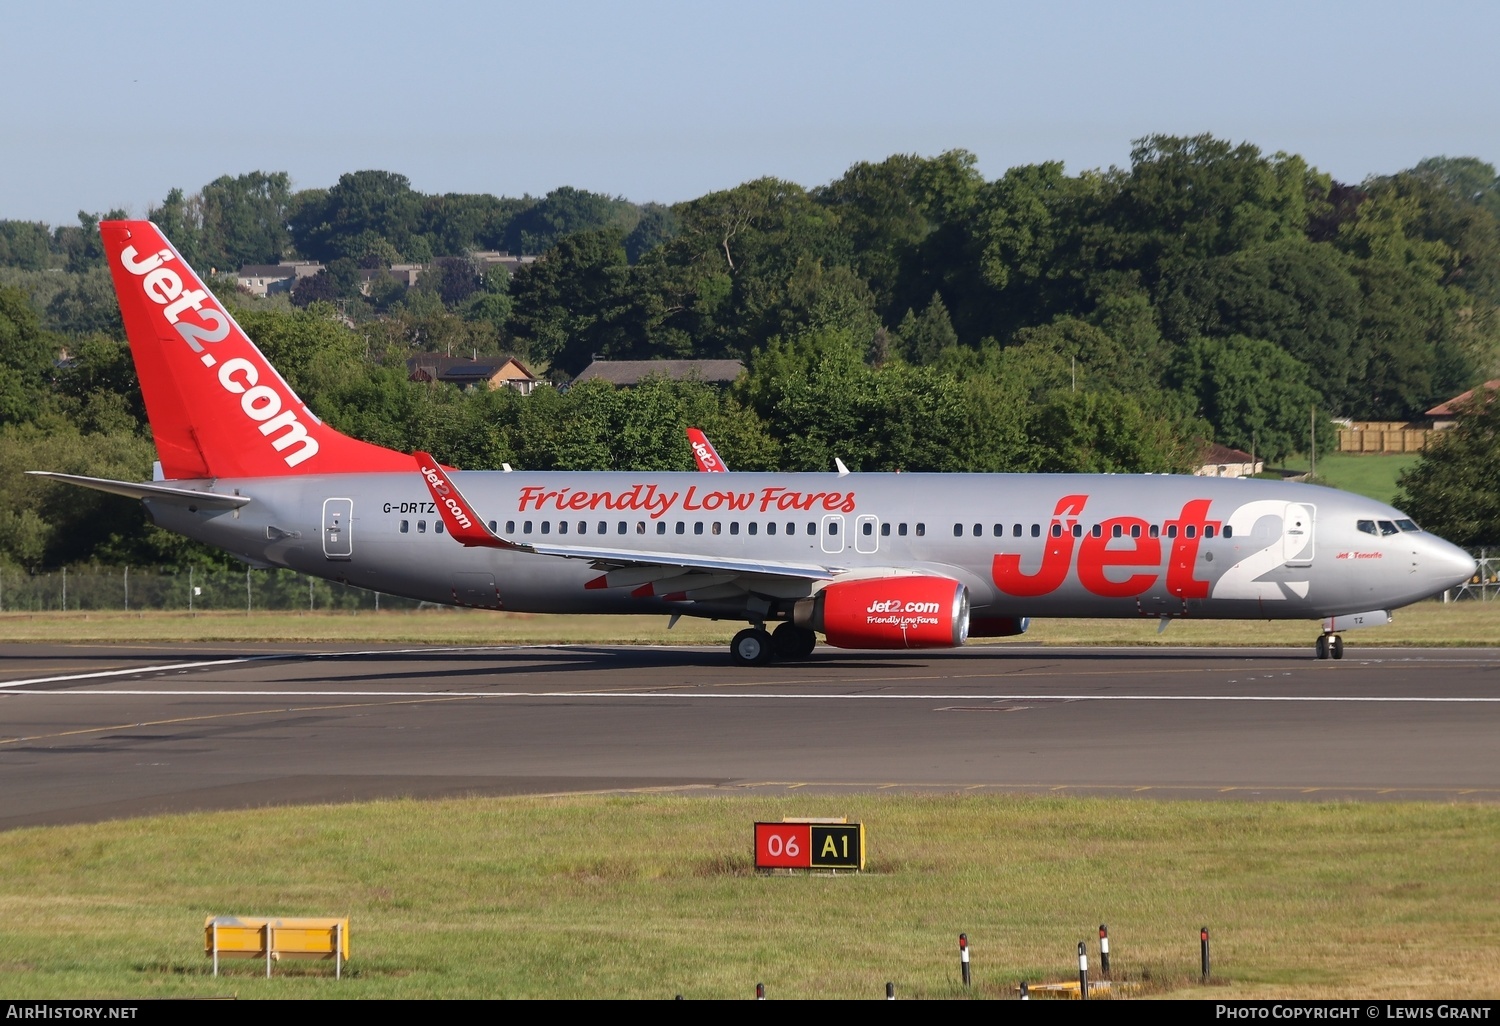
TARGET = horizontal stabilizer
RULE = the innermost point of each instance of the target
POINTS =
(162, 493)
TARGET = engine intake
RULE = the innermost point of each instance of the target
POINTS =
(889, 612)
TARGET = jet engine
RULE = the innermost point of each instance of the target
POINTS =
(888, 612)
(998, 626)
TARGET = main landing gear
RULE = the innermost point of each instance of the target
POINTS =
(1329, 646)
(754, 646)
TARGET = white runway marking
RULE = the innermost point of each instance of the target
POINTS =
(269, 657)
(801, 696)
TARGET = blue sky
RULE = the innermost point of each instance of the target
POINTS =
(112, 104)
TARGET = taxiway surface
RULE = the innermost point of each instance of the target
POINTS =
(98, 732)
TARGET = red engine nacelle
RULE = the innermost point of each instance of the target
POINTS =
(889, 612)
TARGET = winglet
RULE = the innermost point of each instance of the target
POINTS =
(704, 452)
(462, 521)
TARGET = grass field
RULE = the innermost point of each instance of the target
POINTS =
(1369, 474)
(651, 896)
(1426, 623)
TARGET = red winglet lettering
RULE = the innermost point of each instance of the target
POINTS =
(705, 453)
(463, 523)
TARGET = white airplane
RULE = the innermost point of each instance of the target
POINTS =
(892, 561)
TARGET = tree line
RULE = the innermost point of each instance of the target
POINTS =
(910, 315)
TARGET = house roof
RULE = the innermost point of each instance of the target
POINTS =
(630, 372)
(461, 369)
(1216, 454)
(1450, 408)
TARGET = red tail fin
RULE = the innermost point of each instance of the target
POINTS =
(217, 407)
(705, 453)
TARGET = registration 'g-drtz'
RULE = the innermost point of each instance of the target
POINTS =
(877, 561)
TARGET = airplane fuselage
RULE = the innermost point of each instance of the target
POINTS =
(1023, 545)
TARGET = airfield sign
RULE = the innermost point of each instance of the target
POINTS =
(810, 845)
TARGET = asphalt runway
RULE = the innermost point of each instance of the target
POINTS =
(95, 732)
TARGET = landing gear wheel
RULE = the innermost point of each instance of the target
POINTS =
(1336, 646)
(793, 642)
(1321, 648)
(750, 647)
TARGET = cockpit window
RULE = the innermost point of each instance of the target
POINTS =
(1407, 525)
(1367, 526)
(1388, 528)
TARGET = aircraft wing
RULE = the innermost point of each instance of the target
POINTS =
(159, 492)
(695, 572)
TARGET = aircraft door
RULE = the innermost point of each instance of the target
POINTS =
(1297, 534)
(833, 533)
(866, 533)
(338, 534)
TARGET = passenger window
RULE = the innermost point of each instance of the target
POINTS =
(1192, 530)
(681, 527)
(771, 527)
(958, 530)
(1155, 531)
(833, 527)
(734, 527)
(1208, 531)
(1135, 531)
(753, 527)
(1228, 531)
(1016, 531)
(1077, 530)
(921, 530)
(717, 527)
(999, 530)
(1036, 530)
(405, 526)
(562, 527)
(1387, 528)
(1116, 531)
(885, 530)
(661, 527)
(812, 528)
(526, 527)
(604, 527)
(1057, 530)
(421, 527)
(640, 527)
(901, 530)
(978, 530)
(622, 527)
(1097, 531)
(1171, 530)
(791, 528)
(437, 528)
(510, 527)
(697, 527)
(867, 529)
(493, 528)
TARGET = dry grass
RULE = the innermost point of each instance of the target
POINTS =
(649, 896)
(1427, 623)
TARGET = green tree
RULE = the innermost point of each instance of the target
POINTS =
(1453, 489)
(1254, 394)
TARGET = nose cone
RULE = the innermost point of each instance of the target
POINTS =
(1447, 565)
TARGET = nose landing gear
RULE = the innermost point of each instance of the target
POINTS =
(1329, 646)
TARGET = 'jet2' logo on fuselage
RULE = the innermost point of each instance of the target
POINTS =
(262, 403)
(1095, 556)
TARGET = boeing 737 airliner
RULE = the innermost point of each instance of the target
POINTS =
(867, 560)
